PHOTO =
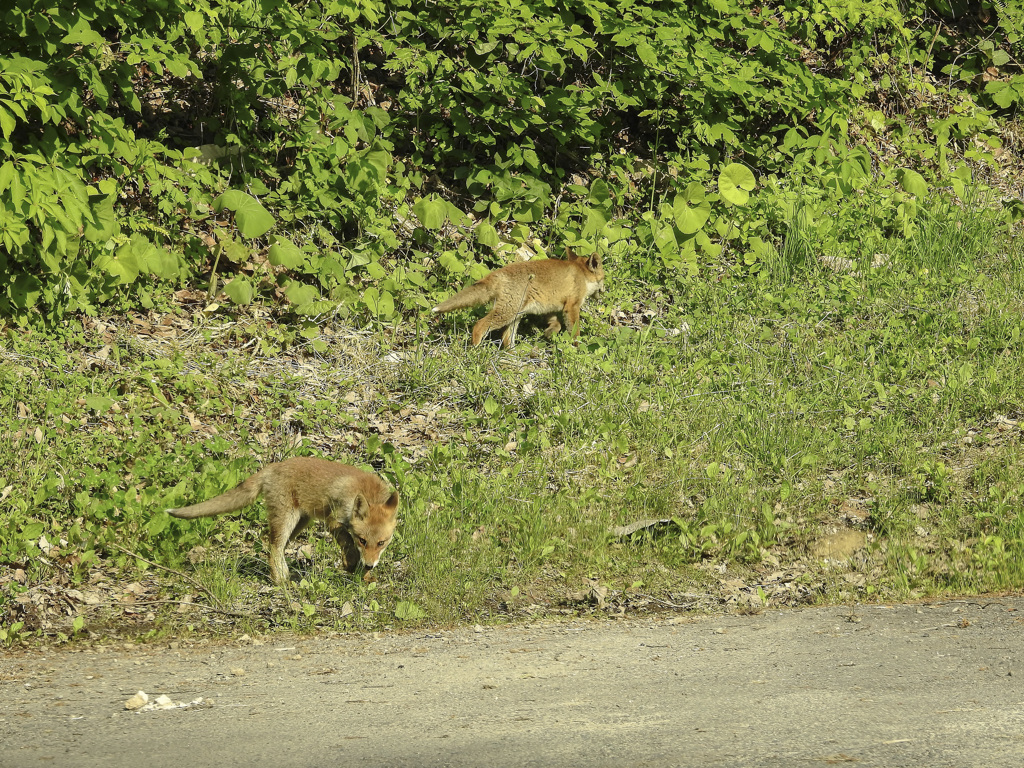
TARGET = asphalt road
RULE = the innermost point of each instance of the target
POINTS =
(928, 685)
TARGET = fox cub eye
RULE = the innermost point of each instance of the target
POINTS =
(361, 540)
(381, 543)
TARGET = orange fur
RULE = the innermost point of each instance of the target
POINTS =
(547, 287)
(360, 510)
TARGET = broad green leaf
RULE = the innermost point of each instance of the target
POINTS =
(161, 262)
(284, 253)
(735, 182)
(152, 259)
(236, 251)
(7, 172)
(176, 68)
(914, 183)
(1001, 92)
(300, 293)
(98, 403)
(386, 307)
(122, 264)
(251, 217)
(694, 193)
(688, 259)
(359, 259)
(103, 223)
(762, 250)
(963, 181)
(690, 218)
(456, 216)
(599, 192)
(380, 303)
(25, 291)
(368, 170)
(529, 212)
(239, 290)
(82, 34)
(316, 307)
(708, 246)
(487, 235)
(158, 523)
(451, 262)
(646, 54)
(408, 611)
(665, 240)
(7, 123)
(17, 187)
(194, 20)
(597, 219)
(430, 210)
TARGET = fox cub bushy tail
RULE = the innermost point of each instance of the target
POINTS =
(546, 287)
(360, 510)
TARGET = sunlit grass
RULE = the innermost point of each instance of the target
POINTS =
(755, 415)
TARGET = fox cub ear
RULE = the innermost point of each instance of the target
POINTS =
(359, 507)
(392, 503)
(594, 261)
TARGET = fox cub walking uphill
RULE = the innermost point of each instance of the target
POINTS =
(545, 287)
(360, 510)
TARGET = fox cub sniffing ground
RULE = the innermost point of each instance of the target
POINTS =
(360, 510)
(545, 287)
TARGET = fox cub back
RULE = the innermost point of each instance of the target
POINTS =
(360, 510)
(546, 287)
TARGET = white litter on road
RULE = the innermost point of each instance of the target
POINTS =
(140, 703)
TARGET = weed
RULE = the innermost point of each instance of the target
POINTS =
(753, 415)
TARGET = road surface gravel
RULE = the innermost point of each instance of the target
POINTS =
(908, 685)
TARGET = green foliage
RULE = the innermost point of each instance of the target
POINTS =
(751, 415)
(809, 300)
(365, 135)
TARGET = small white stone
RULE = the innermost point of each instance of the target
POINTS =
(136, 701)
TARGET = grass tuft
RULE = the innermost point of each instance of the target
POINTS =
(821, 431)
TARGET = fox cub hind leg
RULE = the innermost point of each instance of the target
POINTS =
(485, 326)
(553, 326)
(285, 523)
(508, 336)
(504, 314)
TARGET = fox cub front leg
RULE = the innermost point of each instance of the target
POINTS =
(349, 550)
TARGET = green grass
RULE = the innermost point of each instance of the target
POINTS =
(758, 413)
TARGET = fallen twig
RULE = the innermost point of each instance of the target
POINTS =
(668, 604)
(148, 603)
(187, 578)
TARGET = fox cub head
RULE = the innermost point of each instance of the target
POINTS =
(592, 268)
(372, 526)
